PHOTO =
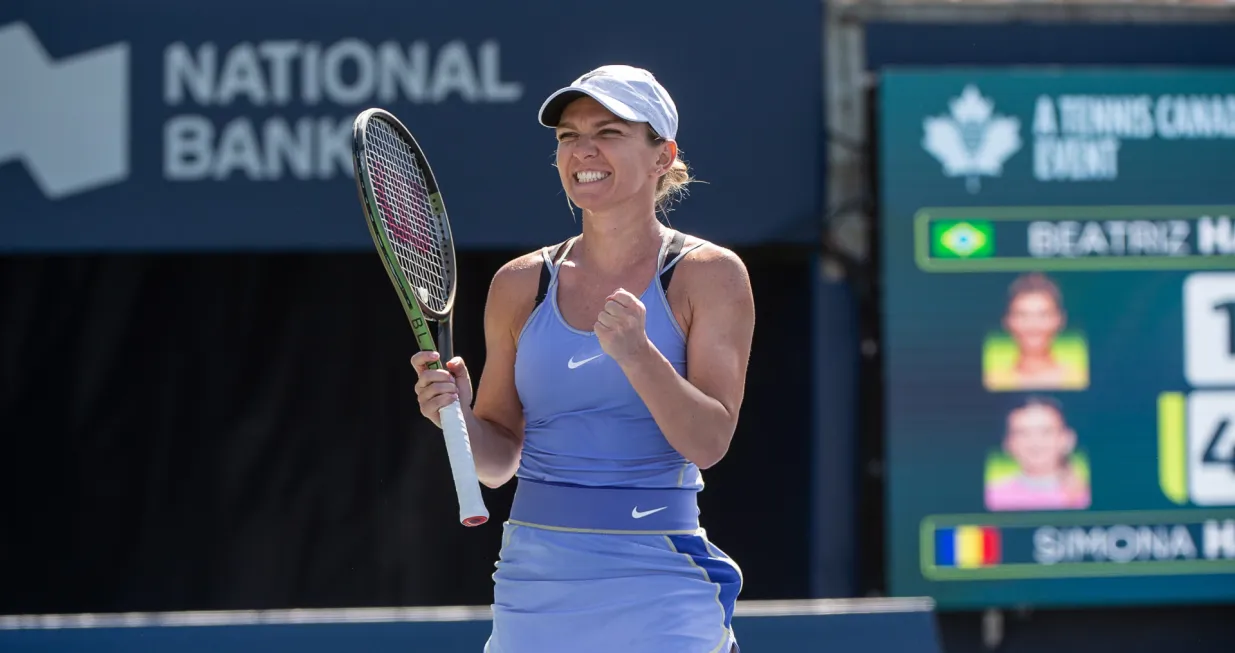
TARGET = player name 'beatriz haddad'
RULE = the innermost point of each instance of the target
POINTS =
(1203, 236)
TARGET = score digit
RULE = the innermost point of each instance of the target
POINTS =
(1229, 309)
(1209, 329)
(1211, 447)
(1213, 452)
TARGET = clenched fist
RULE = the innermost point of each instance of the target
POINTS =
(621, 326)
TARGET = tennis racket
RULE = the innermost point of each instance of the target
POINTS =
(407, 219)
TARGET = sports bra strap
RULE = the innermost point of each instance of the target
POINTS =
(672, 254)
(552, 259)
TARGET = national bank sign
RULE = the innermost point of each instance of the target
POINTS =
(71, 124)
(67, 121)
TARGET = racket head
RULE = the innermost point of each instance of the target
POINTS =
(406, 214)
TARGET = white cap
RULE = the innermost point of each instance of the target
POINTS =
(630, 93)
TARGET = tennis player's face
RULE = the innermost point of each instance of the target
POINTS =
(603, 160)
(1033, 319)
(1038, 439)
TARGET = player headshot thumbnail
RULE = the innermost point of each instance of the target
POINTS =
(1035, 353)
(1039, 468)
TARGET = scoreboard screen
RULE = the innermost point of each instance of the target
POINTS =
(1057, 256)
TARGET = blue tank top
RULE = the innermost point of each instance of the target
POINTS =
(584, 422)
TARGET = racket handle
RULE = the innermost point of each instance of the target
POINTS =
(472, 511)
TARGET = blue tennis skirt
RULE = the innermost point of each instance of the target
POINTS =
(644, 579)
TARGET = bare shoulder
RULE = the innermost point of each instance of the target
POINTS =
(711, 283)
(512, 292)
(708, 267)
(518, 272)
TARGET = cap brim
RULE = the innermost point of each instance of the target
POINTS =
(551, 110)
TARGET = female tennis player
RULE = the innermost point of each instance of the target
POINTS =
(1034, 318)
(606, 389)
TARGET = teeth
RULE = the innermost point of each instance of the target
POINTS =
(588, 176)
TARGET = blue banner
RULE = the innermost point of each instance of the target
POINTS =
(138, 125)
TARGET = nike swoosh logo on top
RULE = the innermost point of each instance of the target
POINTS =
(635, 513)
(572, 363)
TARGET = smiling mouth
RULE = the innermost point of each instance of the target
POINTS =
(590, 176)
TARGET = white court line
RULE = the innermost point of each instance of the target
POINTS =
(815, 607)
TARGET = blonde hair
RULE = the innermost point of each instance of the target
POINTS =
(672, 185)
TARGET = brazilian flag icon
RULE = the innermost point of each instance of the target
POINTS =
(962, 239)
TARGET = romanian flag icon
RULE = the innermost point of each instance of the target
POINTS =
(967, 546)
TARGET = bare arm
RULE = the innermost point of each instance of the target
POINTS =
(497, 412)
(495, 419)
(698, 414)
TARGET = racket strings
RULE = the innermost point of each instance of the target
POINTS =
(407, 216)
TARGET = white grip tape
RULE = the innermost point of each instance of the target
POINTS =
(472, 511)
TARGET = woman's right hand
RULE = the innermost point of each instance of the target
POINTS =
(436, 389)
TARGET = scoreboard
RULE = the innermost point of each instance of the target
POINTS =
(1058, 273)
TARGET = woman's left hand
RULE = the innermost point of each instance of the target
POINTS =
(621, 327)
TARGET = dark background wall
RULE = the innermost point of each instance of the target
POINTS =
(240, 432)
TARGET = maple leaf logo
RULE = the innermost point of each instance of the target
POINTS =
(971, 141)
